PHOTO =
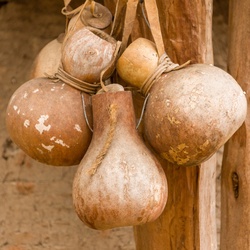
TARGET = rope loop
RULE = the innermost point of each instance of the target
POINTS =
(165, 65)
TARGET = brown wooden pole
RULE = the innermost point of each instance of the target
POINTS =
(188, 221)
(235, 201)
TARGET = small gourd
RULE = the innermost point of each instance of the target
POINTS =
(87, 52)
(137, 62)
(99, 17)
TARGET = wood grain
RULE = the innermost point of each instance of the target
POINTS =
(188, 221)
(235, 202)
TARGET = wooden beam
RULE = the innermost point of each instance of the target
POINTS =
(189, 220)
(235, 201)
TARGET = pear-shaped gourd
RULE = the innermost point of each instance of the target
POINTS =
(98, 17)
(119, 182)
(48, 59)
(45, 119)
(86, 53)
(192, 112)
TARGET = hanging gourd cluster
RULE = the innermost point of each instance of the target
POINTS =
(78, 108)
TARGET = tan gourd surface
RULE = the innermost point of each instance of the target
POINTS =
(85, 54)
(192, 112)
(48, 59)
(129, 186)
(45, 119)
(137, 62)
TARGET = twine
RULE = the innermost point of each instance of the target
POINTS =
(165, 65)
(89, 88)
(113, 121)
(70, 14)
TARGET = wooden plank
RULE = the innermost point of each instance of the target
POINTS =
(235, 201)
(188, 221)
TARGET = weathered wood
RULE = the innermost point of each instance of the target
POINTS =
(187, 29)
(188, 221)
(235, 202)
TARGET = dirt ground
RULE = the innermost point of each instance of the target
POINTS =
(36, 210)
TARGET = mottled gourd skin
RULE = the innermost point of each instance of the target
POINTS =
(85, 54)
(48, 59)
(45, 119)
(192, 112)
(129, 186)
(137, 62)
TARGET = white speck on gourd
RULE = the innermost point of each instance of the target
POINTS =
(49, 147)
(26, 123)
(35, 91)
(41, 126)
(78, 128)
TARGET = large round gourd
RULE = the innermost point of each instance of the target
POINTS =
(192, 112)
(45, 119)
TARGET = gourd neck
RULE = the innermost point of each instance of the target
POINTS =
(113, 106)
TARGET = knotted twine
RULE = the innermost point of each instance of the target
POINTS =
(70, 13)
(112, 110)
(165, 65)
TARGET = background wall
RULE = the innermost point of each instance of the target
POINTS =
(36, 210)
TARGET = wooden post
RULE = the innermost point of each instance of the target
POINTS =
(235, 206)
(188, 221)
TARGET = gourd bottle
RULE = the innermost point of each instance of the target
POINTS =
(119, 182)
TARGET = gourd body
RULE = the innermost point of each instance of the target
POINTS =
(86, 53)
(48, 59)
(192, 112)
(45, 119)
(138, 62)
(127, 186)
